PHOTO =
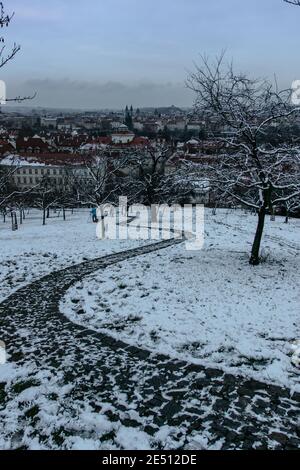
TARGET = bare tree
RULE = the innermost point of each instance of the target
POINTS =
(5, 20)
(97, 180)
(45, 196)
(7, 189)
(8, 55)
(292, 206)
(150, 176)
(251, 170)
(293, 2)
(11, 196)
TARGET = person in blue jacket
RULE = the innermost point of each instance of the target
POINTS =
(94, 214)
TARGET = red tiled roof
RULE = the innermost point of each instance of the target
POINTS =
(31, 142)
(5, 147)
(100, 140)
(140, 141)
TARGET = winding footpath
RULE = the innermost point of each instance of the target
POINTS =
(129, 386)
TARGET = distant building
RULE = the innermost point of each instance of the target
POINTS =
(34, 144)
(117, 126)
(176, 125)
(6, 147)
(194, 126)
(122, 138)
(30, 170)
(50, 123)
(122, 135)
(193, 146)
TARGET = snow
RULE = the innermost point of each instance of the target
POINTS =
(296, 355)
(132, 438)
(209, 307)
(8, 373)
(36, 250)
(17, 161)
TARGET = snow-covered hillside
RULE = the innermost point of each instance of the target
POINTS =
(210, 306)
(63, 387)
(35, 250)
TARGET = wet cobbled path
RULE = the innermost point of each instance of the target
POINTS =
(131, 387)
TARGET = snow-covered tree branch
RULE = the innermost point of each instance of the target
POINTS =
(251, 169)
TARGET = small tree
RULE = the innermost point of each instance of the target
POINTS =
(292, 206)
(45, 196)
(6, 187)
(10, 195)
(150, 177)
(97, 180)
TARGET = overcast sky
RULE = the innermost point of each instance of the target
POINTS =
(109, 53)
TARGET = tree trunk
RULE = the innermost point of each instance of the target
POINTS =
(48, 213)
(14, 221)
(21, 216)
(287, 216)
(273, 217)
(44, 216)
(64, 213)
(255, 259)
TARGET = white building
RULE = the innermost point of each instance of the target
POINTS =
(122, 138)
(194, 126)
(29, 172)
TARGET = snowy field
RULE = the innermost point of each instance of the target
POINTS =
(35, 250)
(210, 306)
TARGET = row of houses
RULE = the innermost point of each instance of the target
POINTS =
(82, 143)
(66, 143)
(140, 123)
(157, 125)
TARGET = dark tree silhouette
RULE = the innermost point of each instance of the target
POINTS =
(293, 2)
